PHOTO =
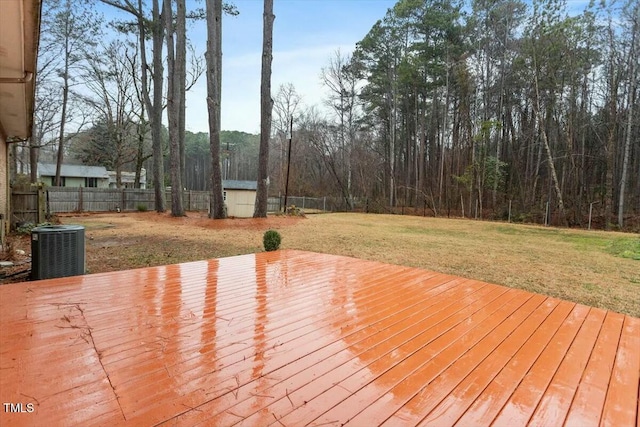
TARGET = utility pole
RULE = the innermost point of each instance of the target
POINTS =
(286, 187)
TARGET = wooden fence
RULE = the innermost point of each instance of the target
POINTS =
(28, 205)
(33, 204)
(65, 199)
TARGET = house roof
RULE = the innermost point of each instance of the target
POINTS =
(306, 338)
(19, 35)
(73, 171)
(232, 184)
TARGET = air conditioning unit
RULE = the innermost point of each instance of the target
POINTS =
(57, 251)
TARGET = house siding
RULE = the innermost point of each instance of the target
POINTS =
(4, 185)
(73, 182)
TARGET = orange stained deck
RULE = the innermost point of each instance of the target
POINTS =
(292, 338)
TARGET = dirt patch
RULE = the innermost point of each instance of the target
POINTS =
(192, 219)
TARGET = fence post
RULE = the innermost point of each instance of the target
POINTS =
(546, 215)
(42, 213)
(509, 210)
(80, 199)
(123, 199)
(324, 204)
(303, 202)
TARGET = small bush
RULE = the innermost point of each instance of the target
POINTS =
(141, 208)
(271, 240)
(25, 229)
(294, 211)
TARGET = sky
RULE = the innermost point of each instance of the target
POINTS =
(305, 35)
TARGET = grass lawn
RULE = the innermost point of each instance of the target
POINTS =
(596, 268)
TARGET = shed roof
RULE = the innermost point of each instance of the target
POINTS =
(73, 171)
(232, 184)
(299, 338)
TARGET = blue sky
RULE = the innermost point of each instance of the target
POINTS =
(306, 33)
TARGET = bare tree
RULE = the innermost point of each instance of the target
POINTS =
(285, 106)
(71, 32)
(214, 97)
(143, 149)
(341, 80)
(47, 98)
(114, 100)
(266, 106)
(154, 101)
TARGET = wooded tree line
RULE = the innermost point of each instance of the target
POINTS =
(475, 107)
(456, 108)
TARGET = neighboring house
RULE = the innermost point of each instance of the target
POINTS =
(74, 175)
(128, 179)
(240, 197)
(19, 36)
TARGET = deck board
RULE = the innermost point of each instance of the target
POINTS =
(298, 338)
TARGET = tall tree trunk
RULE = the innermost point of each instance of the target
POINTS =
(34, 153)
(266, 104)
(421, 201)
(627, 143)
(140, 130)
(181, 72)
(173, 112)
(392, 145)
(155, 110)
(610, 148)
(612, 129)
(63, 114)
(445, 134)
(214, 97)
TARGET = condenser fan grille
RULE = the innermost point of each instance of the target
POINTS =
(57, 251)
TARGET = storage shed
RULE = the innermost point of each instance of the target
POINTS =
(239, 197)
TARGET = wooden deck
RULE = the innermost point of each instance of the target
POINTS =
(293, 338)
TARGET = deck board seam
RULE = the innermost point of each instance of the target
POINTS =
(394, 314)
(353, 332)
(425, 344)
(463, 281)
(555, 371)
(515, 354)
(575, 391)
(613, 366)
(497, 345)
(507, 317)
